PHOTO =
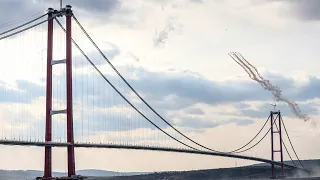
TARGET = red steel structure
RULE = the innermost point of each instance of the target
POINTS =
(48, 135)
(70, 139)
(69, 110)
(273, 121)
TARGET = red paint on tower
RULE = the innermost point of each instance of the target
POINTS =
(281, 153)
(273, 122)
(70, 139)
(272, 148)
(48, 135)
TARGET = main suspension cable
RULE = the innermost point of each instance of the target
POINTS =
(17, 21)
(285, 129)
(259, 140)
(24, 24)
(24, 29)
(134, 91)
(123, 97)
(285, 147)
(252, 138)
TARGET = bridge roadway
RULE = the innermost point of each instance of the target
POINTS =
(135, 147)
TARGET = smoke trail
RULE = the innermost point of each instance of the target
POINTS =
(266, 84)
(249, 71)
(251, 66)
(160, 38)
(231, 55)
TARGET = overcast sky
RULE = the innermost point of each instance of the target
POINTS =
(175, 53)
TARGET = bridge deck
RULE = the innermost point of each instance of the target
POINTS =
(135, 147)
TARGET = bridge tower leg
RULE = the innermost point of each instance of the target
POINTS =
(273, 121)
(70, 137)
(48, 135)
(280, 140)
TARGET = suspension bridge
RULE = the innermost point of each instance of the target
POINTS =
(59, 89)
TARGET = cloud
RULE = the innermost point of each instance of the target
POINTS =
(195, 111)
(191, 89)
(262, 111)
(103, 12)
(304, 9)
(111, 52)
(22, 10)
(197, 1)
(23, 93)
(244, 122)
(196, 123)
(185, 99)
(172, 91)
(29, 9)
(178, 90)
(206, 123)
(161, 37)
(99, 6)
(181, 91)
(310, 90)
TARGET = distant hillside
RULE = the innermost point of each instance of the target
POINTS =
(309, 164)
(256, 171)
(23, 175)
(102, 173)
(32, 174)
(249, 172)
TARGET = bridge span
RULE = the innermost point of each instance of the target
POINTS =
(135, 147)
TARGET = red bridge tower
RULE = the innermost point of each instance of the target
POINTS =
(275, 118)
(68, 111)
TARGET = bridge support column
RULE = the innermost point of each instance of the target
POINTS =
(280, 136)
(272, 148)
(70, 138)
(273, 121)
(48, 135)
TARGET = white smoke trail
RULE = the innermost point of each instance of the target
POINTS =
(266, 84)
(231, 55)
(160, 38)
(249, 71)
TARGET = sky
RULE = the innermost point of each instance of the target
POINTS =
(175, 53)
